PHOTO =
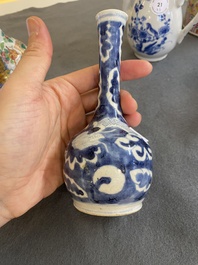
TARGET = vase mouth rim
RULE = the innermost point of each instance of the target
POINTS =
(111, 15)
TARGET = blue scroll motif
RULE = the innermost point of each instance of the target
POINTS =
(110, 39)
(146, 38)
(108, 162)
(122, 157)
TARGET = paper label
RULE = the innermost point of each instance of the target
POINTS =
(159, 6)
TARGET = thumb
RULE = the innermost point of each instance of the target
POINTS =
(36, 60)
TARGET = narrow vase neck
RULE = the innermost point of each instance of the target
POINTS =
(110, 30)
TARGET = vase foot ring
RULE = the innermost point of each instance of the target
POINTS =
(108, 209)
(151, 59)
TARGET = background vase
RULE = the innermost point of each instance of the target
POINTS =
(190, 13)
(154, 27)
(11, 51)
(108, 166)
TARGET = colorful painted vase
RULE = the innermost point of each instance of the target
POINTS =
(108, 166)
(191, 12)
(11, 51)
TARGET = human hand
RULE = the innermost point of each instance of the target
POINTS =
(38, 118)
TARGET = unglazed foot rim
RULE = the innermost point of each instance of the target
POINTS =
(151, 59)
(108, 209)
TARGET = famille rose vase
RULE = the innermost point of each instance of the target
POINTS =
(191, 12)
(11, 51)
(108, 166)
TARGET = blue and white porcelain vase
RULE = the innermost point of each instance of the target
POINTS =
(154, 27)
(108, 166)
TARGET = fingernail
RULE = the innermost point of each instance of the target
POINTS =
(32, 26)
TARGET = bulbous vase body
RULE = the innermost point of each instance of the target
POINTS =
(153, 27)
(108, 166)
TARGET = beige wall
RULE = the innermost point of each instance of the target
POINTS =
(11, 6)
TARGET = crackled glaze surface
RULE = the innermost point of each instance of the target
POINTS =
(11, 51)
(108, 164)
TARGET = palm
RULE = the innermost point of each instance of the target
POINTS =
(45, 123)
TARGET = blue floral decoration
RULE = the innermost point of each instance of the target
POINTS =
(147, 39)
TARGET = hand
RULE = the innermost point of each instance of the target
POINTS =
(39, 117)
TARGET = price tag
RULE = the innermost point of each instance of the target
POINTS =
(159, 6)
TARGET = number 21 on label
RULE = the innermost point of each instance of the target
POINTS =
(159, 6)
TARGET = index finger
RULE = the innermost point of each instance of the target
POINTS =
(88, 78)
